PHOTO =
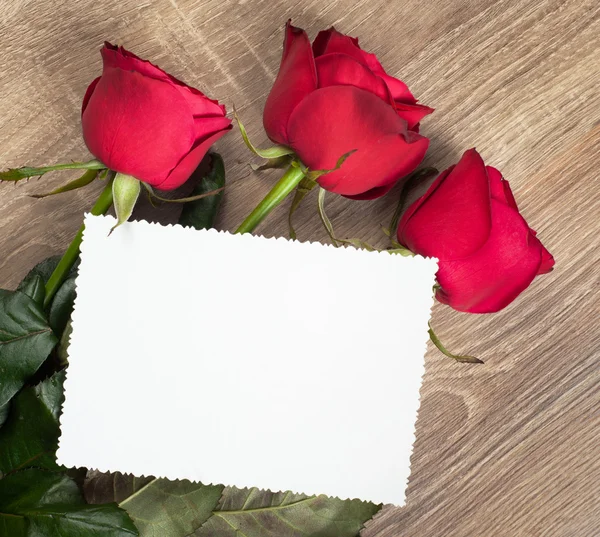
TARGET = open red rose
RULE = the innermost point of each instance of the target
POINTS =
(331, 98)
(140, 121)
(469, 220)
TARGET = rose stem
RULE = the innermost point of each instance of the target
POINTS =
(70, 256)
(278, 193)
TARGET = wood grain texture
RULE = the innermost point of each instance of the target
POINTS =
(510, 448)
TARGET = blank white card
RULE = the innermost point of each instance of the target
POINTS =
(245, 361)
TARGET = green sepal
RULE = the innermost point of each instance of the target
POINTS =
(458, 357)
(323, 216)
(16, 174)
(273, 163)
(273, 152)
(187, 199)
(315, 174)
(358, 243)
(400, 250)
(80, 182)
(125, 191)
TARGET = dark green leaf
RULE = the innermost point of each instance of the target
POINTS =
(34, 287)
(30, 435)
(61, 306)
(38, 503)
(62, 349)
(102, 487)
(82, 181)
(26, 340)
(159, 507)
(257, 513)
(44, 269)
(4, 410)
(200, 214)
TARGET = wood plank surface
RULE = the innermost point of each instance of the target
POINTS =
(510, 448)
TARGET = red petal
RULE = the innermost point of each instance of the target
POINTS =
(296, 79)
(206, 126)
(452, 220)
(137, 125)
(499, 188)
(498, 272)
(181, 173)
(200, 104)
(413, 113)
(113, 56)
(547, 263)
(88, 94)
(333, 42)
(335, 120)
(120, 58)
(340, 69)
(374, 193)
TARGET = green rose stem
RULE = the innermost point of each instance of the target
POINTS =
(70, 256)
(290, 180)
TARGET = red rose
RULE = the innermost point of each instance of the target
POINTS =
(333, 98)
(140, 121)
(469, 220)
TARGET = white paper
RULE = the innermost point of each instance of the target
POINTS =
(245, 361)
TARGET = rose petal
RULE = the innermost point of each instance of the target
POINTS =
(118, 57)
(137, 125)
(333, 42)
(335, 120)
(547, 263)
(452, 220)
(340, 69)
(499, 188)
(88, 94)
(412, 113)
(296, 79)
(498, 272)
(206, 126)
(200, 104)
(181, 173)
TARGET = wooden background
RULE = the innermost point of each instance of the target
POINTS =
(510, 448)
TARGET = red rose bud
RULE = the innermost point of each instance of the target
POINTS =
(140, 121)
(469, 220)
(331, 98)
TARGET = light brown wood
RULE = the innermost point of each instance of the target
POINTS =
(510, 448)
